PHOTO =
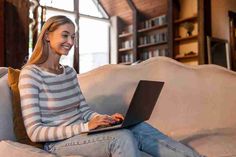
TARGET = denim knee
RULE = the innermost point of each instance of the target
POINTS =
(124, 133)
(125, 142)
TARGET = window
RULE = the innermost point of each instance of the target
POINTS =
(91, 8)
(62, 4)
(93, 43)
(94, 36)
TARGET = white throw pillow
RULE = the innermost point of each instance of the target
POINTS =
(15, 149)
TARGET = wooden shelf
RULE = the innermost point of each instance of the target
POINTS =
(126, 63)
(192, 18)
(152, 28)
(125, 49)
(186, 56)
(152, 44)
(192, 37)
(125, 35)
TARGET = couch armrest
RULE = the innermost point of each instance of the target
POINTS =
(3, 71)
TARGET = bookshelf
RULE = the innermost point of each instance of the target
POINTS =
(151, 40)
(186, 31)
(184, 47)
(152, 37)
(192, 18)
(152, 28)
(163, 34)
(186, 38)
(125, 43)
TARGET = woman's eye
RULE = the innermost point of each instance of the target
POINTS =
(65, 36)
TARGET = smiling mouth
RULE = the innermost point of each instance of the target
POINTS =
(67, 47)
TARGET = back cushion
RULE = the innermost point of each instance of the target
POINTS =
(19, 128)
(6, 123)
(193, 99)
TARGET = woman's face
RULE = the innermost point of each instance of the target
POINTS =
(62, 39)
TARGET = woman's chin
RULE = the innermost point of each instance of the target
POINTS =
(65, 53)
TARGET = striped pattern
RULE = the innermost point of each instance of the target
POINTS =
(53, 106)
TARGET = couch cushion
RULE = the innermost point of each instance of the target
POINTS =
(19, 128)
(216, 143)
(6, 127)
(13, 149)
(193, 97)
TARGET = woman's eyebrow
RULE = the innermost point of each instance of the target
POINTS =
(65, 32)
(68, 32)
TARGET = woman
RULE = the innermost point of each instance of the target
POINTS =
(55, 111)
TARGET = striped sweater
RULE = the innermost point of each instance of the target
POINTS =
(53, 106)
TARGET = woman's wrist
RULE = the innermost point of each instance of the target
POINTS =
(84, 127)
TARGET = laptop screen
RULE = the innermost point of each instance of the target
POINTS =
(143, 102)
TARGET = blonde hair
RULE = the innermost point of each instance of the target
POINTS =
(40, 52)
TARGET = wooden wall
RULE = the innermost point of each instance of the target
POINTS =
(1, 33)
(118, 8)
(151, 8)
(220, 19)
(146, 8)
(16, 21)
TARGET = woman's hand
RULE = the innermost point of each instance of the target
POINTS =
(104, 120)
(117, 117)
(100, 120)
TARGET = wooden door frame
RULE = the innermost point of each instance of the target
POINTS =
(232, 38)
(76, 46)
(204, 29)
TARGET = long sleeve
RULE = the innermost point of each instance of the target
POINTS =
(52, 110)
(86, 112)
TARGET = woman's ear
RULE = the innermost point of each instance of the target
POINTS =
(46, 36)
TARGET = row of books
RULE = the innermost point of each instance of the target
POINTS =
(127, 44)
(128, 29)
(154, 38)
(126, 58)
(158, 52)
(160, 20)
(144, 55)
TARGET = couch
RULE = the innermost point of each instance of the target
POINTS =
(197, 105)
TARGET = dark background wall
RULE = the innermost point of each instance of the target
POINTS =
(15, 37)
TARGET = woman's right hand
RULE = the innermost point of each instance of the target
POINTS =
(100, 120)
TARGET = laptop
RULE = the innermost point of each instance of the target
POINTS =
(141, 106)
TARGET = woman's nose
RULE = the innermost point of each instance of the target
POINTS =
(71, 41)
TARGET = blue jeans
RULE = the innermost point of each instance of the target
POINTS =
(122, 143)
(155, 143)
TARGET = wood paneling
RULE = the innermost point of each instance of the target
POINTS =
(232, 41)
(204, 14)
(151, 8)
(146, 8)
(76, 46)
(1, 32)
(118, 8)
(16, 22)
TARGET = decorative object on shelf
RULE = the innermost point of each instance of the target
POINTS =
(189, 26)
(190, 53)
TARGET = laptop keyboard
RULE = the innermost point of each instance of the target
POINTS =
(113, 124)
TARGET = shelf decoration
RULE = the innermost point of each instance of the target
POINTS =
(189, 26)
